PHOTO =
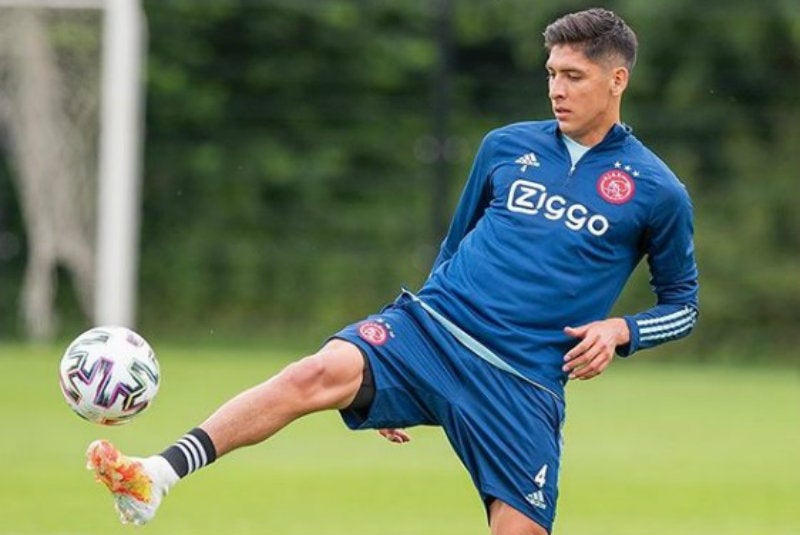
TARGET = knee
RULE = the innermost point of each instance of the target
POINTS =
(326, 380)
(305, 377)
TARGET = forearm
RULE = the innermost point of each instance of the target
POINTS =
(659, 324)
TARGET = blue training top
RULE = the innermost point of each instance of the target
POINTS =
(537, 244)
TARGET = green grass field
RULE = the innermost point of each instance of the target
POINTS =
(651, 449)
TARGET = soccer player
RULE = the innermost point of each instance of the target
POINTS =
(553, 219)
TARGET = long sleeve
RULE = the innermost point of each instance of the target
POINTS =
(673, 270)
(474, 200)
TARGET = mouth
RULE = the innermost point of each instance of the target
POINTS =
(561, 113)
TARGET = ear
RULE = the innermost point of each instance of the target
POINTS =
(619, 81)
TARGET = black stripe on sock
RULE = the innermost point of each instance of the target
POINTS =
(184, 456)
(205, 441)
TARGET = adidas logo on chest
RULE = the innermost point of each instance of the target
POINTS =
(527, 160)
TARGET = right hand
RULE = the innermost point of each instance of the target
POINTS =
(398, 436)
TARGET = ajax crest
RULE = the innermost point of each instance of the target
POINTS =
(373, 332)
(616, 186)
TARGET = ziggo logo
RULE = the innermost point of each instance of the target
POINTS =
(531, 197)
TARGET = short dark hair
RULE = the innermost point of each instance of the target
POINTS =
(600, 33)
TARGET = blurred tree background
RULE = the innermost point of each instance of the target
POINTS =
(301, 157)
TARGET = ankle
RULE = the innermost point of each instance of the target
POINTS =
(193, 451)
(162, 471)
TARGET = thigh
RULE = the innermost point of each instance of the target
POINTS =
(505, 520)
(411, 379)
(505, 431)
(507, 434)
(336, 371)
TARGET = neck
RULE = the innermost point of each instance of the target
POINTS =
(595, 135)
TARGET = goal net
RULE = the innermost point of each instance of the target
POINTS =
(55, 124)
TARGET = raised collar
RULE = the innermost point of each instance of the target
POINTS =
(617, 134)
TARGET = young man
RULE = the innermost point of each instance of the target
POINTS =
(554, 217)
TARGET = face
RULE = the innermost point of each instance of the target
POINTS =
(585, 94)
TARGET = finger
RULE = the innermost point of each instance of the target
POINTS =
(592, 368)
(585, 363)
(397, 436)
(580, 349)
(584, 372)
(401, 436)
(590, 373)
(587, 376)
(575, 332)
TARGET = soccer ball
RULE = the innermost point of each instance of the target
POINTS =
(108, 375)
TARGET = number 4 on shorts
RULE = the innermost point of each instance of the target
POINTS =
(541, 477)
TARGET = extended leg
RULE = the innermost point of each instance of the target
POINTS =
(329, 379)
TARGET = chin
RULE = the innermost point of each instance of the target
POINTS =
(565, 128)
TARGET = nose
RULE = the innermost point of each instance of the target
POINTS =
(556, 88)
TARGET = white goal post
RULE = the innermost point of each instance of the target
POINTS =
(119, 157)
(120, 164)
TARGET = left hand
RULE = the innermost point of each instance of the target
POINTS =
(598, 342)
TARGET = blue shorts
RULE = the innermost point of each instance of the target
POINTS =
(506, 431)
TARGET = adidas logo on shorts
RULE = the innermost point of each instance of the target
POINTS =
(536, 499)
